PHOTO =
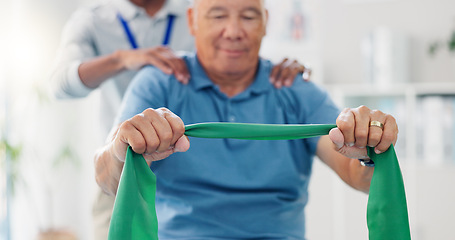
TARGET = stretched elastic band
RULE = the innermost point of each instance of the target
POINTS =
(134, 215)
(252, 131)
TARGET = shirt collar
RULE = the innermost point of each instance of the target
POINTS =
(127, 9)
(261, 82)
(199, 79)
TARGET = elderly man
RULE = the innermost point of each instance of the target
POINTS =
(104, 45)
(225, 188)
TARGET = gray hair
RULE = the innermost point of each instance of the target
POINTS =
(193, 4)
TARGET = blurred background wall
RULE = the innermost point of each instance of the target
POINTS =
(372, 52)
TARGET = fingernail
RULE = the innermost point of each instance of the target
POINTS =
(339, 145)
(350, 144)
(377, 151)
(271, 79)
(177, 150)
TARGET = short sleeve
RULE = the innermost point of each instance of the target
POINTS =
(148, 89)
(314, 106)
(77, 45)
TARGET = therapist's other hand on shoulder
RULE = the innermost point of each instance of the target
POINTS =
(284, 73)
(361, 127)
(161, 57)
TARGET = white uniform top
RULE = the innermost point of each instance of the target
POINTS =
(97, 31)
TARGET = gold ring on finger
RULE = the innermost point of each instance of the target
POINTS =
(377, 124)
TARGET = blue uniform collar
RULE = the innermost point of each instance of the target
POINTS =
(199, 79)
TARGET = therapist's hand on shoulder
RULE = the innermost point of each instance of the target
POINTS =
(284, 73)
(155, 133)
(361, 127)
(161, 57)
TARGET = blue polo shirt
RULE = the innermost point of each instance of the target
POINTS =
(227, 188)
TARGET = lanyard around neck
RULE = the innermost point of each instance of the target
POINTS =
(132, 39)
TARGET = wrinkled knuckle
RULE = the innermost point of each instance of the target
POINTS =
(345, 110)
(376, 112)
(149, 112)
(153, 145)
(344, 124)
(137, 118)
(180, 130)
(363, 109)
(167, 136)
(138, 145)
(391, 118)
(126, 126)
(388, 136)
(362, 134)
(163, 110)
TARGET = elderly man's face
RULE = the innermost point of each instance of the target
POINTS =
(228, 33)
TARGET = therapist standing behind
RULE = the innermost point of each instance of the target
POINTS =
(104, 46)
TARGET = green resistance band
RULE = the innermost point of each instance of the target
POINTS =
(134, 215)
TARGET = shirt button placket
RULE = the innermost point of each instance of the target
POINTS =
(230, 115)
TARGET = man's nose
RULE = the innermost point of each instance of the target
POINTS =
(233, 29)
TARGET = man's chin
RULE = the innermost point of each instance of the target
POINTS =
(233, 65)
(234, 71)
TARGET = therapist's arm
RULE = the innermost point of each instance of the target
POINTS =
(155, 133)
(348, 143)
(78, 68)
(95, 71)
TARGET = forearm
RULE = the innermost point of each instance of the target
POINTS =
(359, 177)
(94, 72)
(107, 170)
(350, 170)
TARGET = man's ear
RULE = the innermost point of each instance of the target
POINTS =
(191, 21)
(266, 21)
